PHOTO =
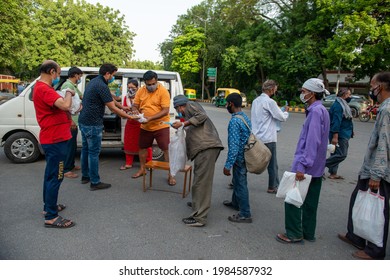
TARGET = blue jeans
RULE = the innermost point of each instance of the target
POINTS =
(71, 151)
(54, 174)
(90, 151)
(273, 169)
(240, 197)
(338, 156)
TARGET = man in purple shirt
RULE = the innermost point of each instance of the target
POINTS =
(309, 158)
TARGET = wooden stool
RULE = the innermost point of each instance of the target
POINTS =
(163, 165)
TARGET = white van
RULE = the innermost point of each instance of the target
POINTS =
(19, 130)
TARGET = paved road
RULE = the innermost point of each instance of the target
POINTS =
(125, 223)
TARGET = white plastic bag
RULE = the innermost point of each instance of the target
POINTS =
(177, 152)
(76, 102)
(368, 217)
(294, 197)
(288, 182)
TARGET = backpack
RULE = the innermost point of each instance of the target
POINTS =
(257, 155)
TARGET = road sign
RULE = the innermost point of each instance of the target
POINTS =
(211, 79)
(211, 72)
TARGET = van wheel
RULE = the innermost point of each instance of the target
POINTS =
(21, 147)
(158, 154)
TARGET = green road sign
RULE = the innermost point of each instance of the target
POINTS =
(211, 72)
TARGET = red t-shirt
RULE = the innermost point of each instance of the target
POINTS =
(54, 122)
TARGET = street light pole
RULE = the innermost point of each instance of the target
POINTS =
(204, 54)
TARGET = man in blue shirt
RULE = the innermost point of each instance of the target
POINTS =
(238, 134)
(341, 130)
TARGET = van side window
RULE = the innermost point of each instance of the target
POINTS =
(30, 94)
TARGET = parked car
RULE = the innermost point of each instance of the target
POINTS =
(357, 103)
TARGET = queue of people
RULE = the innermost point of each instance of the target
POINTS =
(59, 131)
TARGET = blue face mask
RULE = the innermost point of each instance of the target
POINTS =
(180, 115)
(111, 80)
(55, 81)
(78, 81)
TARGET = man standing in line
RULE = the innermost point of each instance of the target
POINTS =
(309, 158)
(54, 120)
(203, 147)
(375, 171)
(238, 134)
(341, 130)
(97, 95)
(265, 115)
(74, 78)
(153, 100)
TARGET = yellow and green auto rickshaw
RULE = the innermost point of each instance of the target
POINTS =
(190, 93)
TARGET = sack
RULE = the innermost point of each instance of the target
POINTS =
(288, 183)
(76, 102)
(294, 197)
(368, 217)
(257, 155)
(177, 152)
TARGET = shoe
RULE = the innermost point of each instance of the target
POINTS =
(282, 238)
(272, 190)
(362, 255)
(229, 204)
(238, 219)
(189, 204)
(100, 186)
(190, 221)
(85, 180)
(71, 175)
(344, 238)
(60, 223)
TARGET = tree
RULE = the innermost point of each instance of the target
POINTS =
(12, 17)
(75, 33)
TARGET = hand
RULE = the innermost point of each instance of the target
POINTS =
(73, 126)
(126, 108)
(72, 92)
(177, 125)
(300, 176)
(374, 185)
(335, 140)
(226, 171)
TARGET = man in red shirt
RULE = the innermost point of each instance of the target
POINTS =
(54, 120)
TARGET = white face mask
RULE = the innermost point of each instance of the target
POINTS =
(302, 97)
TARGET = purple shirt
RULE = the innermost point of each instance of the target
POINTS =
(310, 155)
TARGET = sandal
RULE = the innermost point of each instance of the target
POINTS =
(171, 181)
(71, 175)
(336, 177)
(282, 238)
(124, 167)
(60, 207)
(137, 175)
(60, 223)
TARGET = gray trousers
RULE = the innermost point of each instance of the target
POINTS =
(204, 165)
(340, 154)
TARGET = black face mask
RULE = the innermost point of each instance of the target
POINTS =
(373, 96)
(348, 99)
(229, 108)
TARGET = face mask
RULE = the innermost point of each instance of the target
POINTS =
(302, 98)
(348, 99)
(111, 80)
(374, 96)
(229, 108)
(151, 88)
(180, 115)
(78, 81)
(55, 81)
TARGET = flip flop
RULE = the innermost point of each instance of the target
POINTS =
(282, 238)
(124, 167)
(336, 177)
(137, 175)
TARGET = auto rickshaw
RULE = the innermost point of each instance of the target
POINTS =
(190, 93)
(220, 100)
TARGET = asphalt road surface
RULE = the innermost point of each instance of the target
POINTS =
(125, 223)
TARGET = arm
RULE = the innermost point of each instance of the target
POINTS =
(111, 105)
(276, 112)
(66, 102)
(233, 144)
(336, 113)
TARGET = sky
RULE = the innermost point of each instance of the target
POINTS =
(151, 20)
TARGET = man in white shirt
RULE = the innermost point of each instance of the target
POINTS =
(265, 117)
